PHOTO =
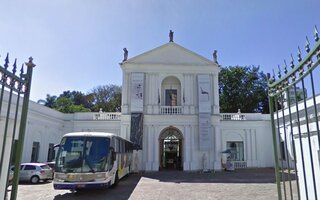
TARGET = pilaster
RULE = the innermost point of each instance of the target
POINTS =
(218, 146)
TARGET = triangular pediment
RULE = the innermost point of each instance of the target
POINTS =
(170, 54)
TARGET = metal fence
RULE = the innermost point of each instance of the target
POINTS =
(14, 101)
(295, 125)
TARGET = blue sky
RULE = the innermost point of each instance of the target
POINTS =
(77, 44)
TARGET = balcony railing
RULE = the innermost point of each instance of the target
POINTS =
(106, 116)
(239, 164)
(171, 110)
(234, 116)
(244, 117)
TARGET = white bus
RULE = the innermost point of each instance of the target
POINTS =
(91, 160)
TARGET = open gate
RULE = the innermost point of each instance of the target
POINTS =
(295, 125)
(14, 101)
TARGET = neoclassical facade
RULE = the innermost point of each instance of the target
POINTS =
(170, 110)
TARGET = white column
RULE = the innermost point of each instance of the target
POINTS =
(150, 148)
(148, 93)
(194, 162)
(211, 157)
(145, 147)
(255, 162)
(155, 164)
(156, 92)
(218, 146)
(216, 109)
(248, 156)
(187, 148)
(152, 84)
(125, 95)
(194, 94)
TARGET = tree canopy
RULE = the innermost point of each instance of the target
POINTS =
(107, 98)
(243, 88)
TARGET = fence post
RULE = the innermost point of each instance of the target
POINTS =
(22, 130)
(275, 150)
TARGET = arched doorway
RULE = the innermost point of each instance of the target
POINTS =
(171, 149)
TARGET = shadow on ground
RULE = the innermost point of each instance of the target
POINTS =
(265, 175)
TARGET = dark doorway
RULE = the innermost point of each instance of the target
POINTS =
(171, 150)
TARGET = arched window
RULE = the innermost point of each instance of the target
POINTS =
(171, 91)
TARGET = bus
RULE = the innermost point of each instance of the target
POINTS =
(91, 160)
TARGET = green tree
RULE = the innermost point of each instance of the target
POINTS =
(65, 105)
(107, 97)
(49, 101)
(243, 88)
(79, 98)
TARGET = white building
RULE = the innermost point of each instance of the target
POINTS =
(170, 109)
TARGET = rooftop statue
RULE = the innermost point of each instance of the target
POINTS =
(215, 57)
(171, 36)
(125, 54)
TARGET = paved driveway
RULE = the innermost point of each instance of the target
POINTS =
(242, 184)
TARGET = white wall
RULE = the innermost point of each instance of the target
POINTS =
(257, 139)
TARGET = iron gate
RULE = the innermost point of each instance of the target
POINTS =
(14, 101)
(295, 125)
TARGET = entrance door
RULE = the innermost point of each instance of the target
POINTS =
(171, 150)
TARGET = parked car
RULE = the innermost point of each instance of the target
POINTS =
(52, 166)
(34, 172)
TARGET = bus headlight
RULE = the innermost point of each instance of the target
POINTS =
(60, 177)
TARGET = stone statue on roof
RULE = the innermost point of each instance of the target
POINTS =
(125, 54)
(171, 36)
(215, 57)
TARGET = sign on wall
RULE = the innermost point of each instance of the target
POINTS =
(137, 85)
(136, 132)
(204, 112)
(204, 93)
(204, 131)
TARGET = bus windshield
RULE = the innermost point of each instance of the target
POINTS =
(83, 154)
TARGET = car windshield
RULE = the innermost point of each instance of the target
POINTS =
(83, 154)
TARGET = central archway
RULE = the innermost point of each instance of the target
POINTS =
(171, 149)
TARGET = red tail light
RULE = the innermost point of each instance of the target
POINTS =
(42, 171)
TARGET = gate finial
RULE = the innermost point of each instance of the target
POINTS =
(14, 66)
(279, 72)
(30, 63)
(6, 64)
(299, 54)
(285, 67)
(292, 62)
(273, 75)
(316, 34)
(21, 70)
(307, 45)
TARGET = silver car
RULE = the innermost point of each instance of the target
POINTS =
(34, 172)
